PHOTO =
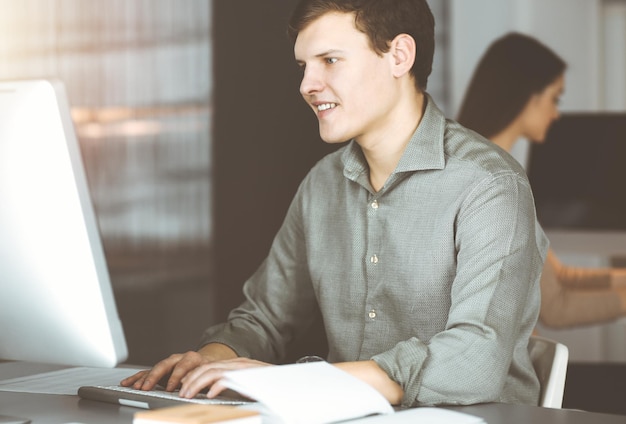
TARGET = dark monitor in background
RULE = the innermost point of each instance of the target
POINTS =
(56, 301)
(578, 175)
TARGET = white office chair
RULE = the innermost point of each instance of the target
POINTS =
(549, 359)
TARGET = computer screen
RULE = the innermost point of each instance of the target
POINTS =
(578, 174)
(56, 302)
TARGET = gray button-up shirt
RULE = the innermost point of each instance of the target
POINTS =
(434, 277)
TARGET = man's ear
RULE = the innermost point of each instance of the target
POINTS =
(402, 51)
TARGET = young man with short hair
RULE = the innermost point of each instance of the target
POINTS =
(417, 240)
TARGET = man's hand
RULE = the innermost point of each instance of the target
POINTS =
(209, 375)
(372, 374)
(177, 366)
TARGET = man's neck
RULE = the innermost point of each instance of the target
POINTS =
(384, 153)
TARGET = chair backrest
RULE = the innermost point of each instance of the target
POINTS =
(549, 359)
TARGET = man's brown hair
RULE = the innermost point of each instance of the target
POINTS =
(381, 21)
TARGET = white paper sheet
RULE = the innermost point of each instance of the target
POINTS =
(424, 415)
(66, 381)
(310, 393)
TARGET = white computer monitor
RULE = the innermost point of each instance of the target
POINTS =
(56, 301)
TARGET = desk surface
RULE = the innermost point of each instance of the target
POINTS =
(57, 409)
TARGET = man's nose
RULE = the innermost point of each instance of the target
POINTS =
(311, 82)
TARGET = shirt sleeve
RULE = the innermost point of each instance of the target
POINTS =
(494, 303)
(279, 299)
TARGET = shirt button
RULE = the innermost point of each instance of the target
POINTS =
(372, 314)
(374, 259)
(374, 204)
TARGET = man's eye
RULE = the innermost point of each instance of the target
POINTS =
(331, 60)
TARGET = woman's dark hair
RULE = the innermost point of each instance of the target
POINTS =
(512, 69)
(381, 21)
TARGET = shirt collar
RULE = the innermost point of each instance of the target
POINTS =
(424, 151)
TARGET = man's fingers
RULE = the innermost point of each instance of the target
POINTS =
(200, 378)
(135, 378)
(191, 371)
(148, 379)
(164, 373)
(215, 389)
(209, 375)
(186, 364)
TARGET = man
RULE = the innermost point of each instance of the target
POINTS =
(417, 240)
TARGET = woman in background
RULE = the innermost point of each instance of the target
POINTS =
(514, 93)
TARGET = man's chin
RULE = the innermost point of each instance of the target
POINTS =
(332, 141)
(327, 138)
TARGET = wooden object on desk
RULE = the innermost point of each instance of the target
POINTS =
(198, 414)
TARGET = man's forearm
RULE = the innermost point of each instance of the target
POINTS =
(217, 352)
(372, 374)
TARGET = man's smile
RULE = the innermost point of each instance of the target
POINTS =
(325, 106)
